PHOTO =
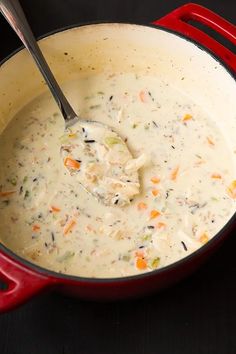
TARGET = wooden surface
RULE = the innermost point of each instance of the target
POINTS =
(198, 316)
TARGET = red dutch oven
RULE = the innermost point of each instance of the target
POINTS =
(172, 35)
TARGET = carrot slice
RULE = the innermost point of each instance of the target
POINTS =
(204, 238)
(154, 214)
(174, 173)
(142, 96)
(7, 193)
(161, 225)
(69, 162)
(210, 141)
(55, 209)
(232, 190)
(155, 192)
(36, 227)
(216, 176)
(69, 226)
(187, 117)
(141, 263)
(142, 206)
(155, 180)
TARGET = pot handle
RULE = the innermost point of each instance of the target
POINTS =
(178, 20)
(22, 283)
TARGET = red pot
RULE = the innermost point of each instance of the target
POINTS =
(24, 279)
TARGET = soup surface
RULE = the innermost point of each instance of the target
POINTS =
(187, 181)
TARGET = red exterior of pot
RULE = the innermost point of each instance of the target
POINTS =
(178, 21)
(24, 280)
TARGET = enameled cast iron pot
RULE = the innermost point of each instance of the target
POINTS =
(169, 47)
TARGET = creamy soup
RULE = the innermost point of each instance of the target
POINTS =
(187, 181)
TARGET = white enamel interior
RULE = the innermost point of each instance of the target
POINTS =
(126, 48)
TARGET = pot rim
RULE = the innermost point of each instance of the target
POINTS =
(221, 235)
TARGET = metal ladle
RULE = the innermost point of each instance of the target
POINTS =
(114, 186)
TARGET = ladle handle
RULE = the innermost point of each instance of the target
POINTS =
(13, 13)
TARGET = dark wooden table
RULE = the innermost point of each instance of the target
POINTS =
(197, 316)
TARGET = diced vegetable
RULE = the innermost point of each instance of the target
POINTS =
(141, 263)
(142, 96)
(142, 206)
(6, 193)
(155, 192)
(146, 237)
(72, 135)
(155, 262)
(187, 117)
(154, 214)
(69, 226)
(174, 173)
(232, 189)
(36, 227)
(155, 180)
(55, 209)
(204, 238)
(71, 163)
(210, 141)
(160, 225)
(112, 140)
(216, 176)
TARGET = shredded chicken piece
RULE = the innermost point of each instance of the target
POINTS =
(106, 167)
